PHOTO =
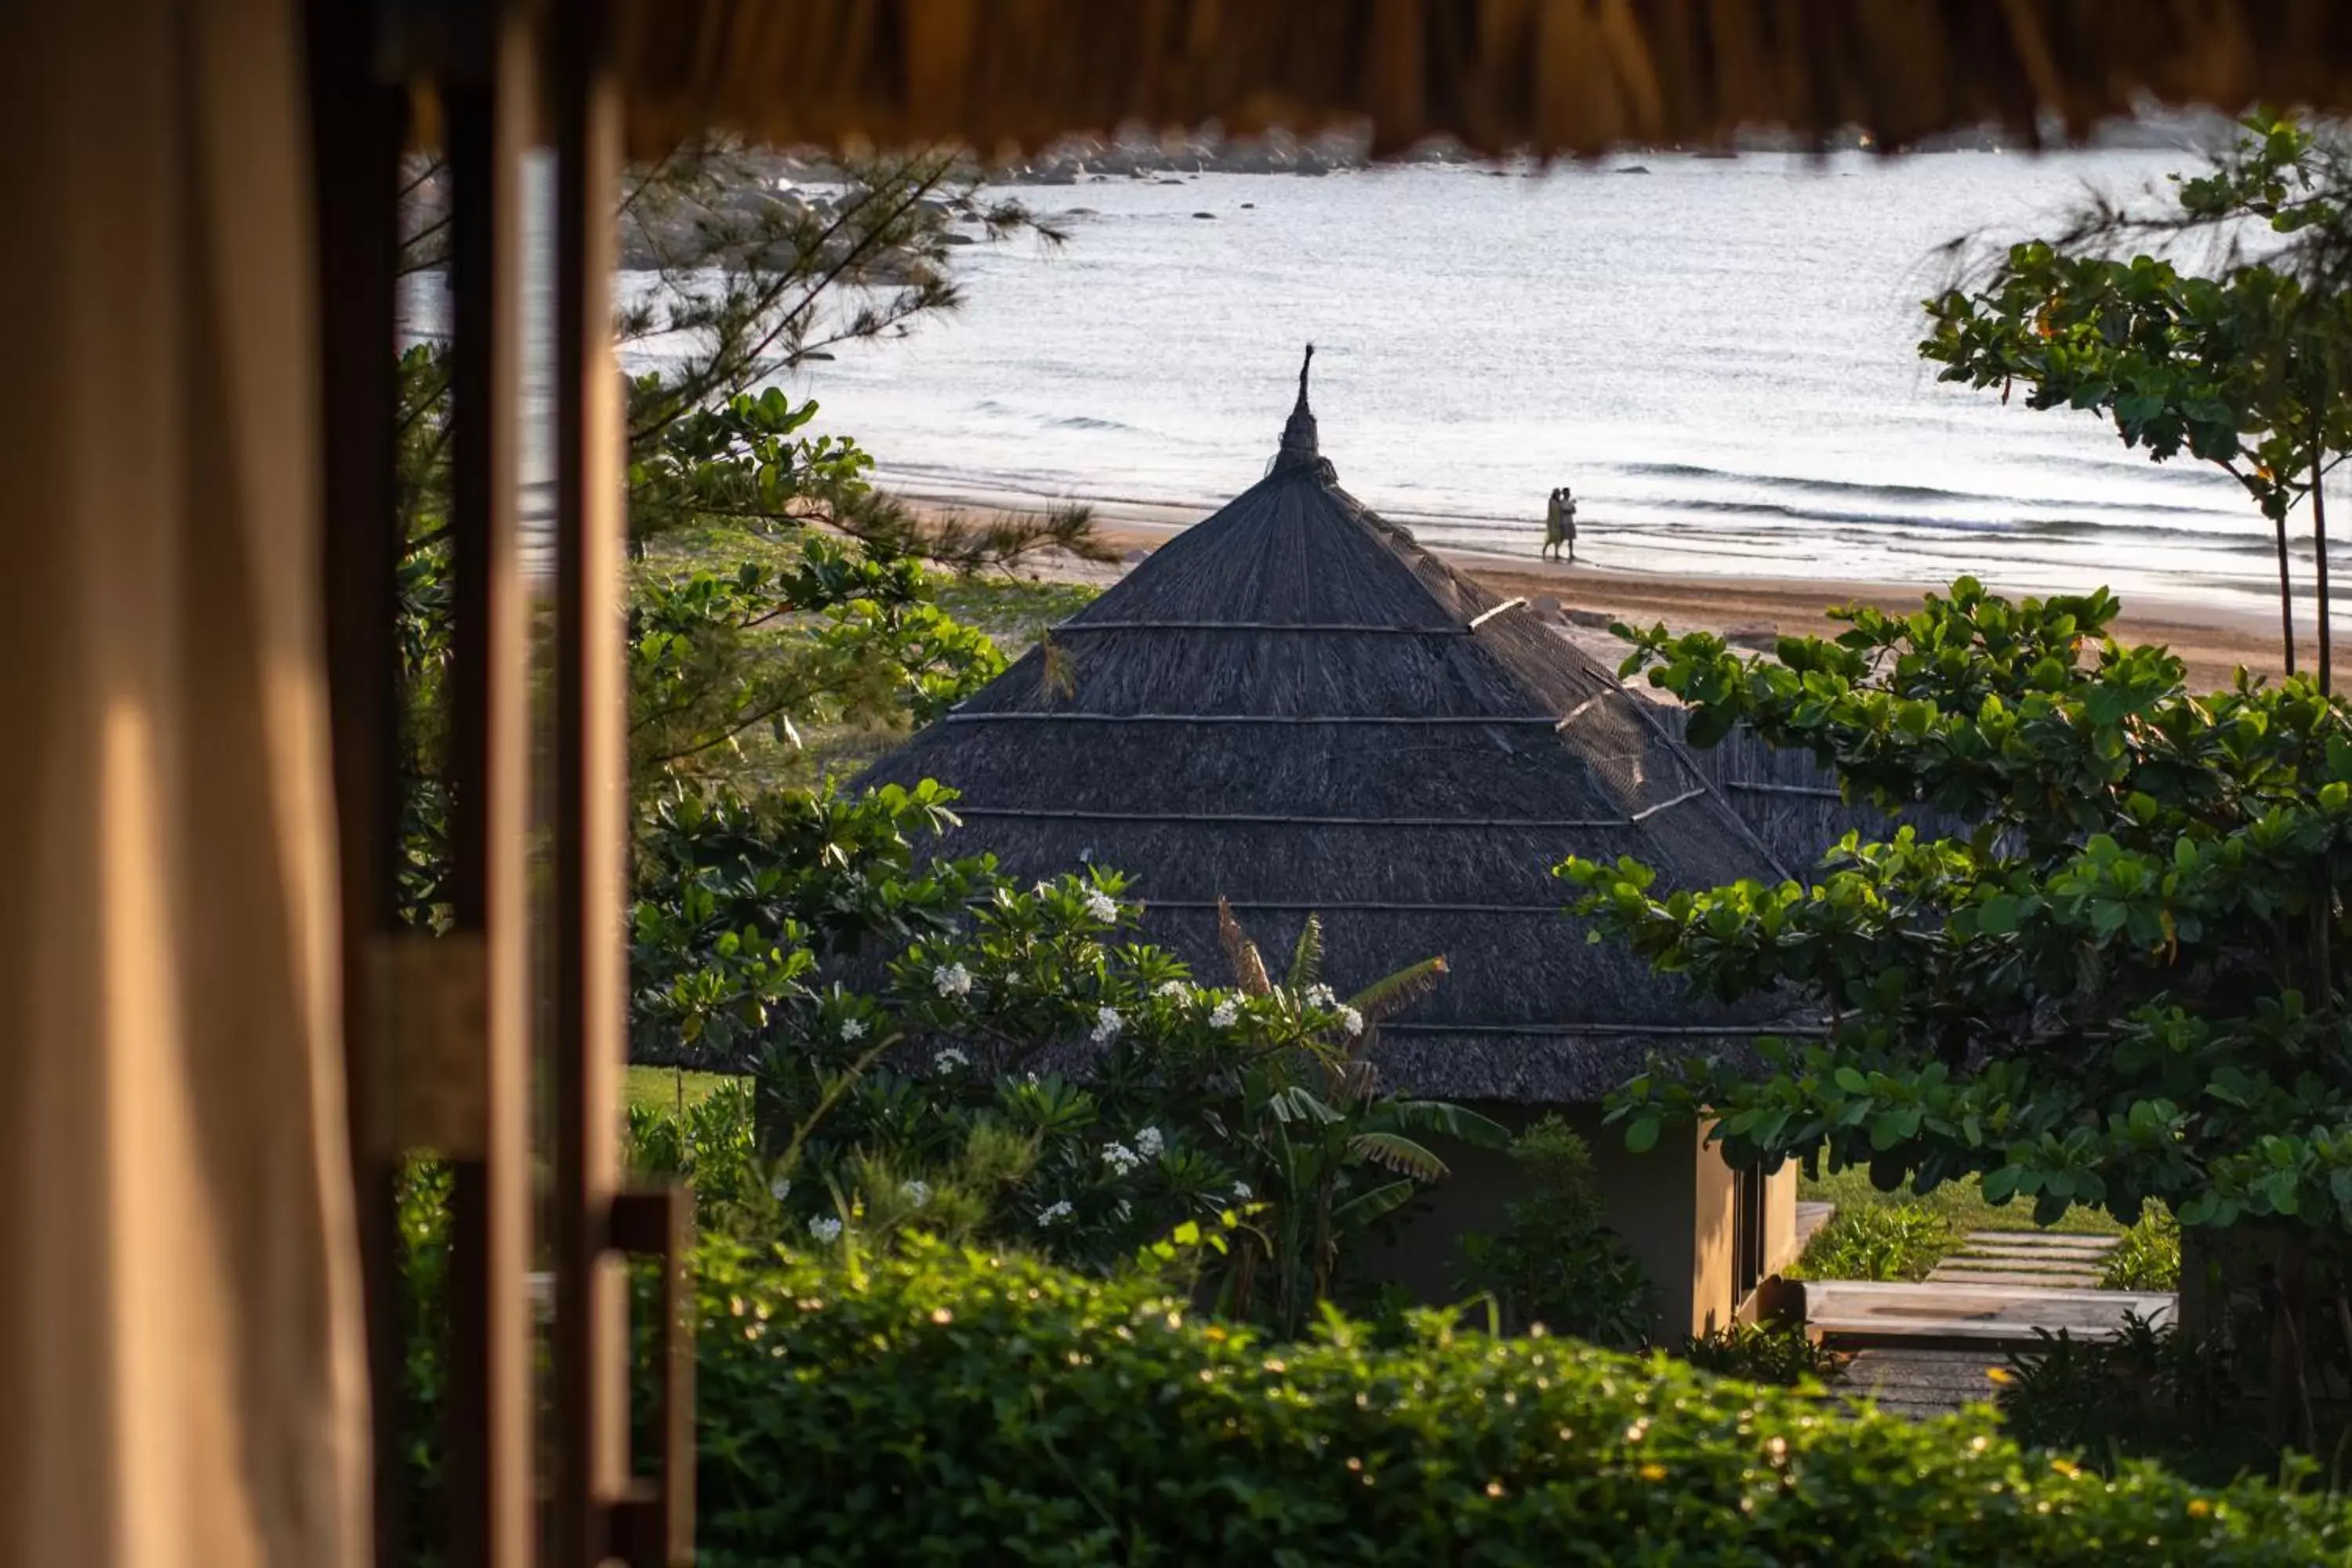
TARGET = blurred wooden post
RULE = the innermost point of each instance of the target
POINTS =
(590, 1333)
(490, 1491)
(357, 124)
(597, 1512)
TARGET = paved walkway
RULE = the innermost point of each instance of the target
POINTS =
(1922, 1383)
(1930, 1349)
(2026, 1258)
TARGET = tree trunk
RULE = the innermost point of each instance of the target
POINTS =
(2319, 568)
(2287, 599)
(2286, 1294)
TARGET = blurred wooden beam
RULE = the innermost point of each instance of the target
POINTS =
(357, 128)
(491, 1496)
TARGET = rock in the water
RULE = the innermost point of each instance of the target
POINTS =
(1205, 215)
(1547, 607)
(1634, 169)
(1759, 639)
(1599, 620)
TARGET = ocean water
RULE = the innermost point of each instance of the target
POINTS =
(1719, 357)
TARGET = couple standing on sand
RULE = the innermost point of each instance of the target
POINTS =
(1559, 525)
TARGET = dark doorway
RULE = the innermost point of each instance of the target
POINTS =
(1746, 1235)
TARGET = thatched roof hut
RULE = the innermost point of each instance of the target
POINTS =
(1294, 706)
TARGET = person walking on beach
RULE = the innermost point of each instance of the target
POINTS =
(1559, 525)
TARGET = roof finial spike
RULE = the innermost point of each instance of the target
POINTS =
(1299, 436)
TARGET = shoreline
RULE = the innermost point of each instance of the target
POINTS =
(2212, 639)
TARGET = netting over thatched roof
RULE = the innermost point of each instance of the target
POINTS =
(1551, 75)
(1294, 706)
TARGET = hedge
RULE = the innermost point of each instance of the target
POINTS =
(946, 1407)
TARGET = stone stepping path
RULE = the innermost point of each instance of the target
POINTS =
(2027, 1258)
(1921, 1384)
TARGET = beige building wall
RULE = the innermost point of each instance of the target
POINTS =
(1673, 1206)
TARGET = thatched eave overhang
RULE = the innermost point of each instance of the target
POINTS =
(1499, 76)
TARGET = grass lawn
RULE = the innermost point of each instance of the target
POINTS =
(1014, 611)
(661, 1088)
(1903, 1236)
(1962, 1204)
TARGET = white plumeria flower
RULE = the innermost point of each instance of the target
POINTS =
(1224, 1014)
(1148, 1142)
(1242, 1190)
(1108, 1024)
(948, 1060)
(853, 1028)
(952, 979)
(918, 1193)
(1177, 990)
(825, 1228)
(780, 1188)
(1119, 1158)
(1054, 1216)
(1102, 906)
(1043, 889)
(1351, 1020)
(1321, 995)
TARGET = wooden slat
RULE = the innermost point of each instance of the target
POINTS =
(591, 1341)
(356, 132)
(491, 1490)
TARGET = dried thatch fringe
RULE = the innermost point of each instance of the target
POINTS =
(1231, 818)
(1352, 906)
(1006, 715)
(1587, 1029)
(1552, 76)
(1262, 626)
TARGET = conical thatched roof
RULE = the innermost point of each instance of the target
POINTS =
(1294, 706)
(1550, 75)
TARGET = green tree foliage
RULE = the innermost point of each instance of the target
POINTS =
(2243, 368)
(1026, 1070)
(2119, 991)
(1556, 1262)
(775, 587)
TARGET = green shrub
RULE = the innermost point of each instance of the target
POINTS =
(2148, 1257)
(1897, 1241)
(1758, 1353)
(940, 1407)
(1554, 1262)
(2150, 1393)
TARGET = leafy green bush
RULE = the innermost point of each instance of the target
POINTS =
(1759, 1353)
(1896, 1241)
(1554, 1262)
(943, 1407)
(2149, 1391)
(2148, 1257)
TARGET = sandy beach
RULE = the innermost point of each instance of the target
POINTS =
(2213, 640)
